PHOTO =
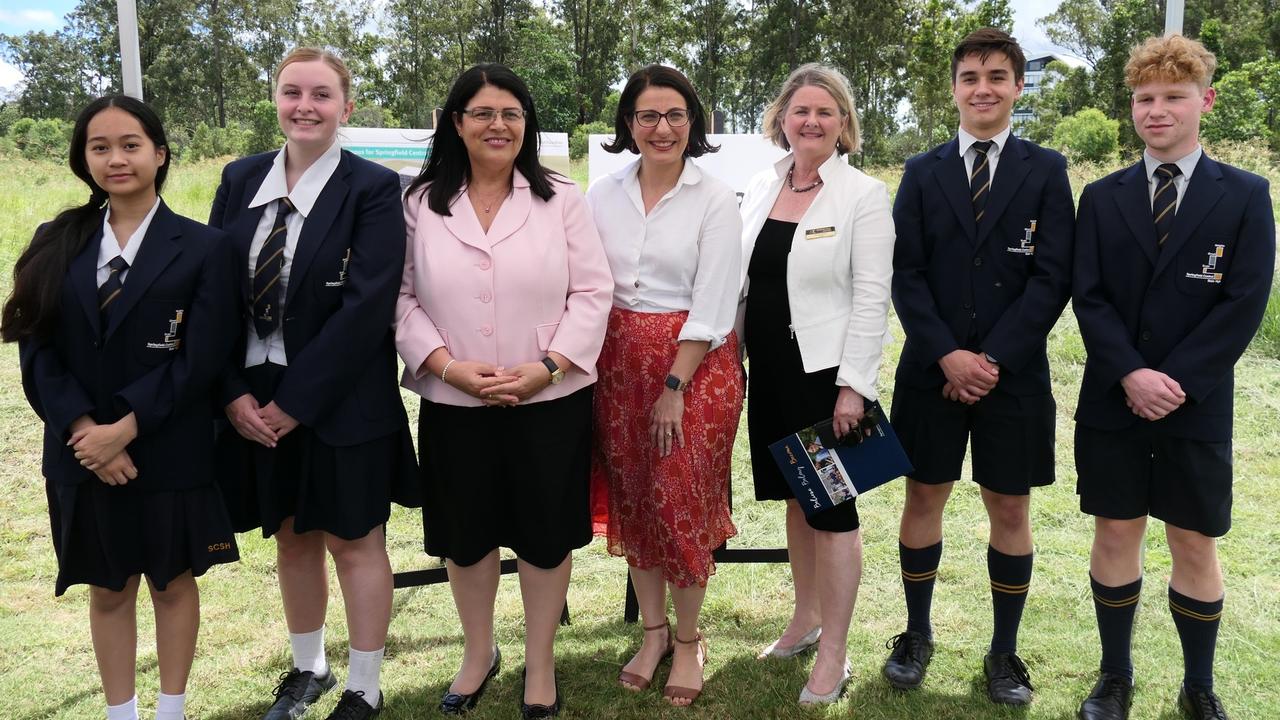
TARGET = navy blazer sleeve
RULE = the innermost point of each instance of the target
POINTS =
(54, 393)
(912, 297)
(336, 357)
(1207, 354)
(1019, 334)
(231, 384)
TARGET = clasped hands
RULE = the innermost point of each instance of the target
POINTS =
(497, 386)
(1151, 394)
(970, 376)
(101, 448)
(263, 425)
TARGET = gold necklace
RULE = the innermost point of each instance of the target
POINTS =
(488, 206)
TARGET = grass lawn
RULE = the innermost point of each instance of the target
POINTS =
(47, 668)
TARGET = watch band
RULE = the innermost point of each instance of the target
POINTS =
(556, 373)
(674, 383)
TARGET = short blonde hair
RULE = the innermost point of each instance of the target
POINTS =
(1173, 59)
(829, 79)
(310, 54)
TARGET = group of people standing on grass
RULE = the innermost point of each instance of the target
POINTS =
(579, 358)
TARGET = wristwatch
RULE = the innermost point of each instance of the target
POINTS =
(557, 375)
(674, 383)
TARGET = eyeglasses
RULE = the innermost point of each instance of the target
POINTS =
(650, 118)
(486, 115)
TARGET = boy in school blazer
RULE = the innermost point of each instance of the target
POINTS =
(1174, 257)
(981, 273)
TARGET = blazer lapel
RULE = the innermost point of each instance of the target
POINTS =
(1011, 169)
(84, 280)
(1204, 190)
(1133, 200)
(159, 247)
(316, 227)
(512, 215)
(951, 177)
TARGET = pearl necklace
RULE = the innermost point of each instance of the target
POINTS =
(804, 189)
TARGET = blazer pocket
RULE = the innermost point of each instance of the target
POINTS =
(159, 327)
(546, 333)
(1203, 273)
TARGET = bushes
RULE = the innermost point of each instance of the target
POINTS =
(40, 139)
(578, 140)
(1087, 136)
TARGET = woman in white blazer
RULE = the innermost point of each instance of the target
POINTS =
(818, 254)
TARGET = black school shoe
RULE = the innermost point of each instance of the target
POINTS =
(353, 706)
(296, 692)
(1110, 699)
(911, 652)
(1007, 680)
(1200, 704)
(536, 711)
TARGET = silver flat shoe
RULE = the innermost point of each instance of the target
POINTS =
(808, 697)
(781, 652)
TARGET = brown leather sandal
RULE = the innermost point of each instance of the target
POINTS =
(673, 692)
(638, 683)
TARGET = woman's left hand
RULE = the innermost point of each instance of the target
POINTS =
(665, 421)
(280, 422)
(97, 445)
(530, 379)
(850, 407)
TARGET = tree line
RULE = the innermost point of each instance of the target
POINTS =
(207, 63)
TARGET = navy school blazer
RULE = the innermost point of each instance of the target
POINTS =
(1188, 309)
(340, 302)
(996, 287)
(171, 333)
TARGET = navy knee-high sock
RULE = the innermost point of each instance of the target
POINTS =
(919, 571)
(1010, 580)
(1116, 608)
(1197, 622)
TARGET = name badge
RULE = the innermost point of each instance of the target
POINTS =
(1026, 244)
(819, 233)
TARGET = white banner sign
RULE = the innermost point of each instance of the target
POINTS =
(740, 157)
(405, 150)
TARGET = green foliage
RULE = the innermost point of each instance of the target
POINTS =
(264, 129)
(40, 139)
(8, 116)
(368, 116)
(215, 142)
(578, 140)
(610, 110)
(1087, 136)
(1239, 113)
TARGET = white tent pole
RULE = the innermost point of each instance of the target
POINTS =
(130, 60)
(1173, 12)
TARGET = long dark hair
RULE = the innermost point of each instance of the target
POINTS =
(659, 76)
(448, 166)
(33, 306)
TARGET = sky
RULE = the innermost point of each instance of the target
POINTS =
(20, 16)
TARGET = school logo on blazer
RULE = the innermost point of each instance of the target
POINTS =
(342, 272)
(1026, 246)
(1209, 271)
(171, 340)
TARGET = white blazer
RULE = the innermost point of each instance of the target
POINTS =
(838, 272)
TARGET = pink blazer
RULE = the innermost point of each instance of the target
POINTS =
(537, 281)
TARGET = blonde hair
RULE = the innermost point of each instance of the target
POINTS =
(1174, 59)
(310, 54)
(829, 79)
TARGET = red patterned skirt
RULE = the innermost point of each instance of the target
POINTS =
(664, 512)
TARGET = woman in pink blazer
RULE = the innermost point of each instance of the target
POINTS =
(502, 313)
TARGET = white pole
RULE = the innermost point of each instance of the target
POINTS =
(130, 61)
(1173, 17)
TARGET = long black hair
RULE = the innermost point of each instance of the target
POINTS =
(448, 167)
(33, 306)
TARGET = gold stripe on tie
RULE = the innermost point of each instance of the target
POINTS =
(110, 297)
(270, 285)
(1163, 186)
(266, 265)
(1126, 602)
(1193, 614)
(978, 219)
(979, 168)
(1164, 212)
(982, 189)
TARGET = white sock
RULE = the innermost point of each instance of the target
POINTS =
(363, 672)
(308, 651)
(171, 707)
(124, 711)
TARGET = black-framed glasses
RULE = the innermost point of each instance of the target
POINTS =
(487, 114)
(678, 117)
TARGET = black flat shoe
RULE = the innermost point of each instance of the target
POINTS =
(458, 703)
(1008, 682)
(1200, 704)
(1110, 699)
(909, 656)
(535, 711)
(296, 692)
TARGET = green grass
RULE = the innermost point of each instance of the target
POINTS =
(47, 668)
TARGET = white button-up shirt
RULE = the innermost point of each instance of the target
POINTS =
(685, 254)
(1186, 164)
(993, 155)
(303, 196)
(109, 248)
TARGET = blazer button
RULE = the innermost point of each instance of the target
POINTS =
(485, 330)
(483, 265)
(1146, 335)
(977, 262)
(967, 304)
(485, 297)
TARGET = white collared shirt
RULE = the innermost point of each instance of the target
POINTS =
(1186, 164)
(109, 248)
(993, 155)
(303, 196)
(686, 254)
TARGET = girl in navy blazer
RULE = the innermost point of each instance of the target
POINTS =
(321, 443)
(124, 317)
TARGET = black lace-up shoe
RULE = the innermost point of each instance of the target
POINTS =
(1007, 680)
(353, 706)
(909, 656)
(1109, 700)
(1200, 704)
(296, 692)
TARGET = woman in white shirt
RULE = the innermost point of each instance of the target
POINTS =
(670, 388)
(818, 254)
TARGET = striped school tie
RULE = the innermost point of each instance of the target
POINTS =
(1164, 205)
(111, 288)
(980, 179)
(266, 274)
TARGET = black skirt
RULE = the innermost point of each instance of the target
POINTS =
(514, 477)
(103, 534)
(345, 491)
